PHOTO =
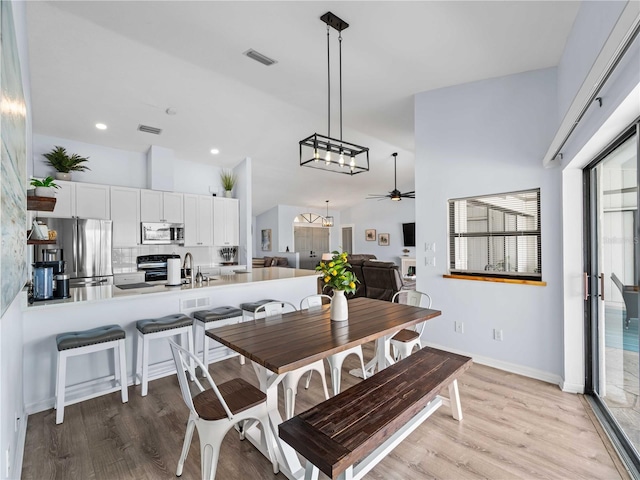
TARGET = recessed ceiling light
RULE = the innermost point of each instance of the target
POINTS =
(101, 126)
(215, 151)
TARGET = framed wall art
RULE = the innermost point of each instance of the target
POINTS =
(370, 235)
(266, 240)
(383, 239)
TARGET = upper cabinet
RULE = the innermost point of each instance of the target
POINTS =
(65, 201)
(125, 214)
(158, 206)
(226, 221)
(84, 200)
(198, 220)
(93, 201)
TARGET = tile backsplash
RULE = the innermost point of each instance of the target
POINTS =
(204, 256)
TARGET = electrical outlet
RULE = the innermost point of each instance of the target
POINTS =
(430, 261)
(459, 327)
(497, 334)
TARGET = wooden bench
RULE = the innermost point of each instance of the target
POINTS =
(365, 422)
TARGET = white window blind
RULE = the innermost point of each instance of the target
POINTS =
(496, 235)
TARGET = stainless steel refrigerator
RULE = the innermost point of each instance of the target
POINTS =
(86, 249)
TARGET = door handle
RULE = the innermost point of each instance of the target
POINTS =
(601, 295)
(585, 285)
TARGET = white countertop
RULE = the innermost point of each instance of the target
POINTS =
(112, 292)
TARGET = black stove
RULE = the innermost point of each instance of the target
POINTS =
(154, 266)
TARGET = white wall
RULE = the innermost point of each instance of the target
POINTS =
(385, 216)
(481, 138)
(242, 190)
(13, 422)
(111, 166)
(599, 126)
(268, 220)
(590, 30)
(280, 220)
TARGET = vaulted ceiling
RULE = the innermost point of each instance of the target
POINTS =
(125, 63)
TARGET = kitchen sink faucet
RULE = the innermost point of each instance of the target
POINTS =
(184, 266)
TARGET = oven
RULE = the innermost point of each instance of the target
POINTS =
(154, 266)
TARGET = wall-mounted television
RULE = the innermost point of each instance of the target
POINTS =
(409, 234)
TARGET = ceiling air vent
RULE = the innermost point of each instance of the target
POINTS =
(258, 57)
(148, 129)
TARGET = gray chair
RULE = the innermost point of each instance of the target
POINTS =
(630, 297)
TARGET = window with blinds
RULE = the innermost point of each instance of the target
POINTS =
(496, 235)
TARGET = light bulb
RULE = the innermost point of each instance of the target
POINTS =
(353, 162)
(352, 168)
(316, 155)
(341, 160)
(327, 158)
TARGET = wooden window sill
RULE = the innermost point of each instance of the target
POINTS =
(537, 283)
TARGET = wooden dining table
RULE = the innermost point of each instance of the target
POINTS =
(278, 345)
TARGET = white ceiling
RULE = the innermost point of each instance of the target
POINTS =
(125, 63)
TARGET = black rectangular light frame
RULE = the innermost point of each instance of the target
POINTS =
(324, 144)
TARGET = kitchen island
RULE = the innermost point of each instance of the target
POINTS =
(91, 307)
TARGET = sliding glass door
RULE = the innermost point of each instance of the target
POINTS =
(612, 260)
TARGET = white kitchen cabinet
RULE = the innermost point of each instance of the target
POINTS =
(156, 206)
(198, 220)
(226, 222)
(65, 201)
(125, 214)
(92, 201)
(84, 200)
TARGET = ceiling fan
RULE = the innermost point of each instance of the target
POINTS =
(394, 194)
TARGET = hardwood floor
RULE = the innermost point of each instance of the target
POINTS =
(513, 427)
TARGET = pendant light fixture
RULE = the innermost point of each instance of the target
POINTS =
(324, 152)
(328, 220)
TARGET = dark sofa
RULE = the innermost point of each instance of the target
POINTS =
(380, 280)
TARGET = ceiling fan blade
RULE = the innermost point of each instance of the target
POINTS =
(372, 196)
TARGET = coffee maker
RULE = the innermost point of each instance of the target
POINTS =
(49, 278)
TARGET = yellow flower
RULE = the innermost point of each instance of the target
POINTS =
(326, 279)
(334, 272)
(352, 285)
(321, 264)
(331, 264)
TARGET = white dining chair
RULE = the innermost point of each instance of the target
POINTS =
(291, 379)
(336, 360)
(404, 341)
(213, 415)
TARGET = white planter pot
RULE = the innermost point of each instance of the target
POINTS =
(45, 192)
(339, 306)
(227, 193)
(63, 176)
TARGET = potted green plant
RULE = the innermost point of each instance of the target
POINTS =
(228, 180)
(45, 187)
(337, 274)
(64, 163)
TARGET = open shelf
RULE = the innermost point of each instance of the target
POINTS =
(42, 204)
(41, 242)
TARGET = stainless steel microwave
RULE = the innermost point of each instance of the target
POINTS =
(156, 233)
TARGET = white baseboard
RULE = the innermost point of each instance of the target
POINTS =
(571, 387)
(508, 367)
(19, 451)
